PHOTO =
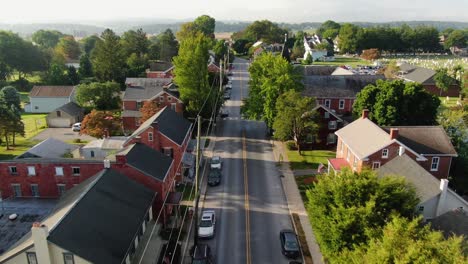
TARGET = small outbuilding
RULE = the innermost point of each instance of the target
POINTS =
(65, 116)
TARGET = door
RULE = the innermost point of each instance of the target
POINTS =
(59, 122)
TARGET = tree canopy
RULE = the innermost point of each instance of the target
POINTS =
(164, 46)
(100, 96)
(264, 30)
(97, 122)
(47, 38)
(396, 103)
(108, 58)
(68, 48)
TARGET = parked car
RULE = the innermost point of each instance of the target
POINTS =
(206, 228)
(227, 95)
(228, 86)
(289, 244)
(223, 113)
(214, 177)
(201, 254)
(76, 127)
(216, 162)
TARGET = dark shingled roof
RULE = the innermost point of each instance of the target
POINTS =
(311, 70)
(144, 88)
(425, 139)
(337, 86)
(452, 222)
(105, 218)
(149, 161)
(171, 124)
(161, 66)
(71, 108)
(420, 75)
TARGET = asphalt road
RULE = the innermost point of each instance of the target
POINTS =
(250, 203)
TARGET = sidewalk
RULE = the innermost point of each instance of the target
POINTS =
(295, 203)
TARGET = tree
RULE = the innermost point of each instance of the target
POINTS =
(56, 75)
(239, 46)
(72, 76)
(191, 72)
(220, 50)
(294, 120)
(329, 28)
(96, 124)
(298, 49)
(206, 25)
(10, 96)
(89, 43)
(395, 103)
(69, 48)
(370, 54)
(47, 38)
(135, 42)
(148, 110)
(137, 65)
(455, 124)
(442, 80)
(186, 30)
(344, 208)
(457, 38)
(108, 58)
(10, 114)
(99, 96)
(391, 70)
(271, 76)
(408, 241)
(348, 42)
(264, 30)
(166, 46)
(308, 60)
(86, 68)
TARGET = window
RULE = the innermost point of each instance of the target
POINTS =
(173, 106)
(16, 190)
(34, 190)
(31, 256)
(137, 122)
(138, 105)
(332, 125)
(355, 163)
(59, 171)
(435, 164)
(92, 154)
(421, 209)
(348, 155)
(326, 115)
(168, 152)
(76, 170)
(150, 136)
(59, 114)
(375, 165)
(13, 170)
(331, 138)
(68, 258)
(327, 103)
(161, 99)
(31, 171)
(384, 153)
(61, 189)
(36, 107)
(341, 104)
(169, 99)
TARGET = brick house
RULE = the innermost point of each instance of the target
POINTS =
(337, 92)
(213, 67)
(363, 144)
(160, 69)
(329, 122)
(424, 76)
(141, 90)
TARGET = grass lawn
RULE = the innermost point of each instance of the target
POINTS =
(310, 159)
(451, 102)
(33, 124)
(353, 62)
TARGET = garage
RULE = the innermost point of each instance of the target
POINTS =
(65, 116)
(59, 122)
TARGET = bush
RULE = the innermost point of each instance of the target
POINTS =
(77, 140)
(291, 145)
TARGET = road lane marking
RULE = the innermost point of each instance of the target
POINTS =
(246, 205)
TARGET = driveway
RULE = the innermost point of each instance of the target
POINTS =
(63, 134)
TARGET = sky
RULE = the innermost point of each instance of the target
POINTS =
(292, 11)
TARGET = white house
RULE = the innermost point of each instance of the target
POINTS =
(45, 99)
(309, 46)
(101, 148)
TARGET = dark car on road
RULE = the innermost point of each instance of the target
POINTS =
(202, 254)
(289, 244)
(214, 178)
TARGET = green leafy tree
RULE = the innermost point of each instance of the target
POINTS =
(298, 49)
(457, 38)
(330, 26)
(135, 42)
(89, 43)
(56, 75)
(308, 60)
(455, 123)
(345, 208)
(348, 42)
(239, 46)
(191, 72)
(393, 103)
(271, 76)
(137, 65)
(165, 46)
(86, 68)
(47, 38)
(408, 241)
(220, 50)
(206, 25)
(99, 96)
(442, 80)
(72, 76)
(10, 115)
(108, 58)
(295, 120)
(264, 30)
(10, 96)
(69, 48)
(186, 30)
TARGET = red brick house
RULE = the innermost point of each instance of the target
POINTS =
(363, 144)
(424, 76)
(213, 67)
(160, 69)
(337, 92)
(141, 90)
(329, 123)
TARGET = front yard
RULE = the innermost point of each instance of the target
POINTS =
(310, 159)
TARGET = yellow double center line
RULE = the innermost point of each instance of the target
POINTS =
(247, 206)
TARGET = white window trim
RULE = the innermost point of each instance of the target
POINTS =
(37, 186)
(31, 254)
(174, 106)
(150, 136)
(326, 115)
(386, 155)
(437, 163)
(13, 185)
(329, 103)
(348, 155)
(76, 174)
(375, 163)
(33, 171)
(56, 171)
(10, 168)
(339, 104)
(332, 125)
(64, 188)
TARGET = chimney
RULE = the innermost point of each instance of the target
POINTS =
(401, 151)
(137, 139)
(106, 133)
(39, 235)
(393, 133)
(106, 164)
(443, 195)
(365, 113)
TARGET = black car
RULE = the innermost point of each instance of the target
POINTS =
(214, 178)
(227, 95)
(223, 113)
(289, 244)
(201, 254)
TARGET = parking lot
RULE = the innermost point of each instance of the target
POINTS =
(63, 134)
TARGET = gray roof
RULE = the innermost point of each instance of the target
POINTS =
(104, 217)
(337, 86)
(171, 124)
(107, 143)
(420, 75)
(50, 148)
(71, 108)
(425, 139)
(149, 161)
(452, 222)
(144, 88)
(161, 66)
(313, 70)
(131, 113)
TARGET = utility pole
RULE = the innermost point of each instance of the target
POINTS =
(197, 193)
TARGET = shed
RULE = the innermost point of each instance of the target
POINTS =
(65, 116)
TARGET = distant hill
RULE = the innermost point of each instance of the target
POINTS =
(157, 26)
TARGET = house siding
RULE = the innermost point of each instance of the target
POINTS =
(64, 116)
(452, 91)
(324, 131)
(47, 104)
(335, 103)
